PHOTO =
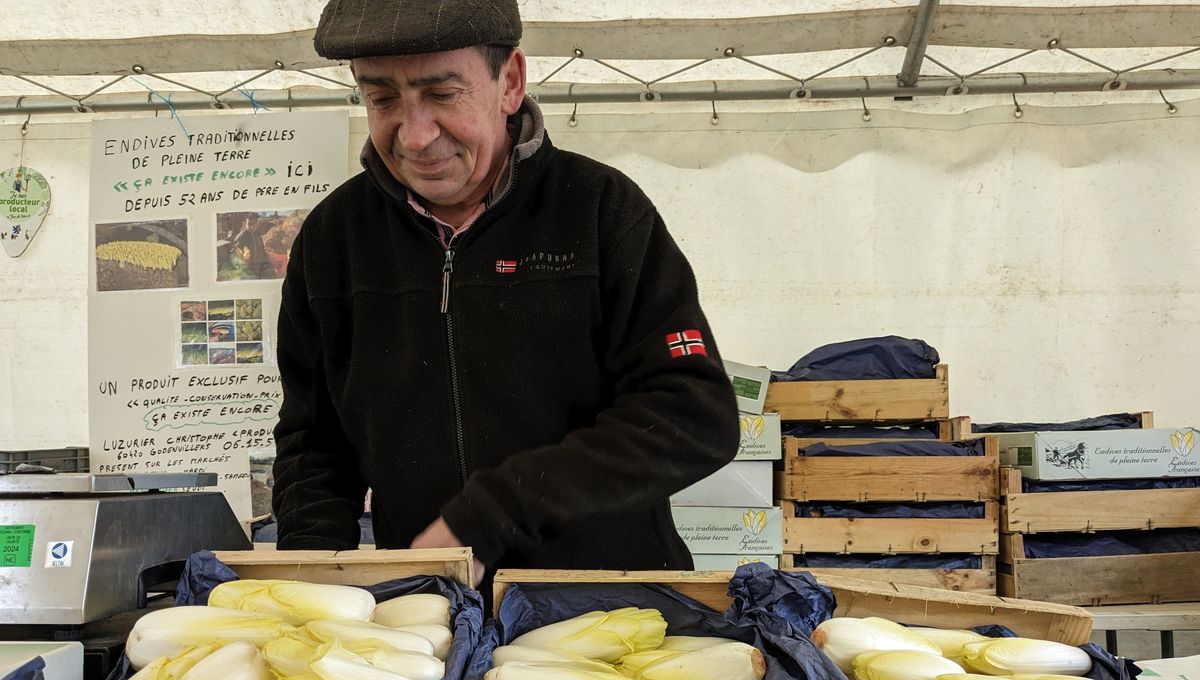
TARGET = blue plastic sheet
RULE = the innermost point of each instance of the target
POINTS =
(974, 447)
(861, 561)
(817, 431)
(30, 670)
(948, 510)
(1039, 486)
(774, 611)
(1110, 543)
(1114, 421)
(203, 572)
(866, 359)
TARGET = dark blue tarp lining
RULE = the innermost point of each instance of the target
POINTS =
(860, 561)
(30, 670)
(1110, 543)
(884, 358)
(203, 572)
(973, 447)
(1039, 486)
(1113, 421)
(806, 430)
(947, 510)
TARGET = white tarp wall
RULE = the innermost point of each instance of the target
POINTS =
(1051, 259)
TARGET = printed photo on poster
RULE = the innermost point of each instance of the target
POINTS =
(221, 332)
(141, 255)
(262, 480)
(255, 245)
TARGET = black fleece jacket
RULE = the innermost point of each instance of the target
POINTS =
(543, 414)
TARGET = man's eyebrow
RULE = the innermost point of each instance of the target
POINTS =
(426, 81)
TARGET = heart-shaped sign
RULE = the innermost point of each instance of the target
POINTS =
(24, 204)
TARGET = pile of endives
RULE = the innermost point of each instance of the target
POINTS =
(878, 649)
(624, 643)
(286, 630)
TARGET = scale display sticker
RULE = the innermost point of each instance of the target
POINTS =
(58, 553)
(745, 387)
(16, 545)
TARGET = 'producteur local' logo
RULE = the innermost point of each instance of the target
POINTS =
(755, 522)
(1183, 441)
(752, 426)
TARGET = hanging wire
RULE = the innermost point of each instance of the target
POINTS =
(1018, 112)
(716, 119)
(685, 69)
(774, 70)
(1171, 108)
(573, 121)
(998, 64)
(888, 41)
(866, 114)
(1159, 61)
(555, 71)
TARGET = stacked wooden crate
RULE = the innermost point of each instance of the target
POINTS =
(1115, 579)
(886, 479)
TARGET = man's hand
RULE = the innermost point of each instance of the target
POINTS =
(439, 535)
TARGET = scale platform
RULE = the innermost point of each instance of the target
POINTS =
(76, 548)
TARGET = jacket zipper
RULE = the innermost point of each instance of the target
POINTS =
(459, 443)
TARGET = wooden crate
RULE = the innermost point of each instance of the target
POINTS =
(1088, 511)
(912, 605)
(982, 580)
(948, 430)
(890, 535)
(1116, 579)
(351, 567)
(893, 478)
(862, 400)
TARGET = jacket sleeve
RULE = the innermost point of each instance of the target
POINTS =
(671, 422)
(318, 493)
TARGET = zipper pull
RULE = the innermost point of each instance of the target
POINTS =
(447, 270)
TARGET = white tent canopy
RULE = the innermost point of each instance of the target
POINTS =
(619, 51)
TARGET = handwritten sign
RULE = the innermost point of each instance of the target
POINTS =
(191, 235)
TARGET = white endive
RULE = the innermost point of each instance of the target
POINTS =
(336, 663)
(844, 638)
(517, 654)
(1009, 656)
(173, 668)
(413, 610)
(902, 665)
(687, 643)
(234, 661)
(602, 636)
(295, 602)
(548, 670)
(352, 633)
(949, 640)
(288, 656)
(168, 632)
(439, 636)
(728, 661)
(411, 665)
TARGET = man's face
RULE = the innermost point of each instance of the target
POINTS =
(438, 120)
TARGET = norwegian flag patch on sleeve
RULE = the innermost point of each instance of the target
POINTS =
(685, 343)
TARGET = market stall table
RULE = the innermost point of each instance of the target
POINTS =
(1164, 618)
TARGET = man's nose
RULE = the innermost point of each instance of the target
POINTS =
(417, 129)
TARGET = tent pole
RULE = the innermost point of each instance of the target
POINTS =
(914, 56)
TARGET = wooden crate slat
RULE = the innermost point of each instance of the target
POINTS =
(862, 400)
(982, 580)
(890, 535)
(350, 567)
(1101, 510)
(908, 604)
(895, 478)
(1117, 579)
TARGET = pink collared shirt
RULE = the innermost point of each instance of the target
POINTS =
(446, 231)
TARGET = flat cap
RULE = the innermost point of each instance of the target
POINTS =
(350, 29)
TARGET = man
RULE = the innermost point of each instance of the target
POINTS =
(499, 338)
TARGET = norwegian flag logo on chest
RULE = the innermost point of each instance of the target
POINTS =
(506, 266)
(686, 343)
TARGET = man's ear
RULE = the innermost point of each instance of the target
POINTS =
(512, 79)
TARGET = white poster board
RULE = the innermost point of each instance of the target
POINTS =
(192, 221)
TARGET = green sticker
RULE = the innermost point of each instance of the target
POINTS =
(16, 545)
(1024, 456)
(745, 387)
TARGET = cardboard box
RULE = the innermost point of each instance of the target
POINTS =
(1103, 454)
(761, 437)
(745, 484)
(732, 562)
(749, 384)
(710, 531)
